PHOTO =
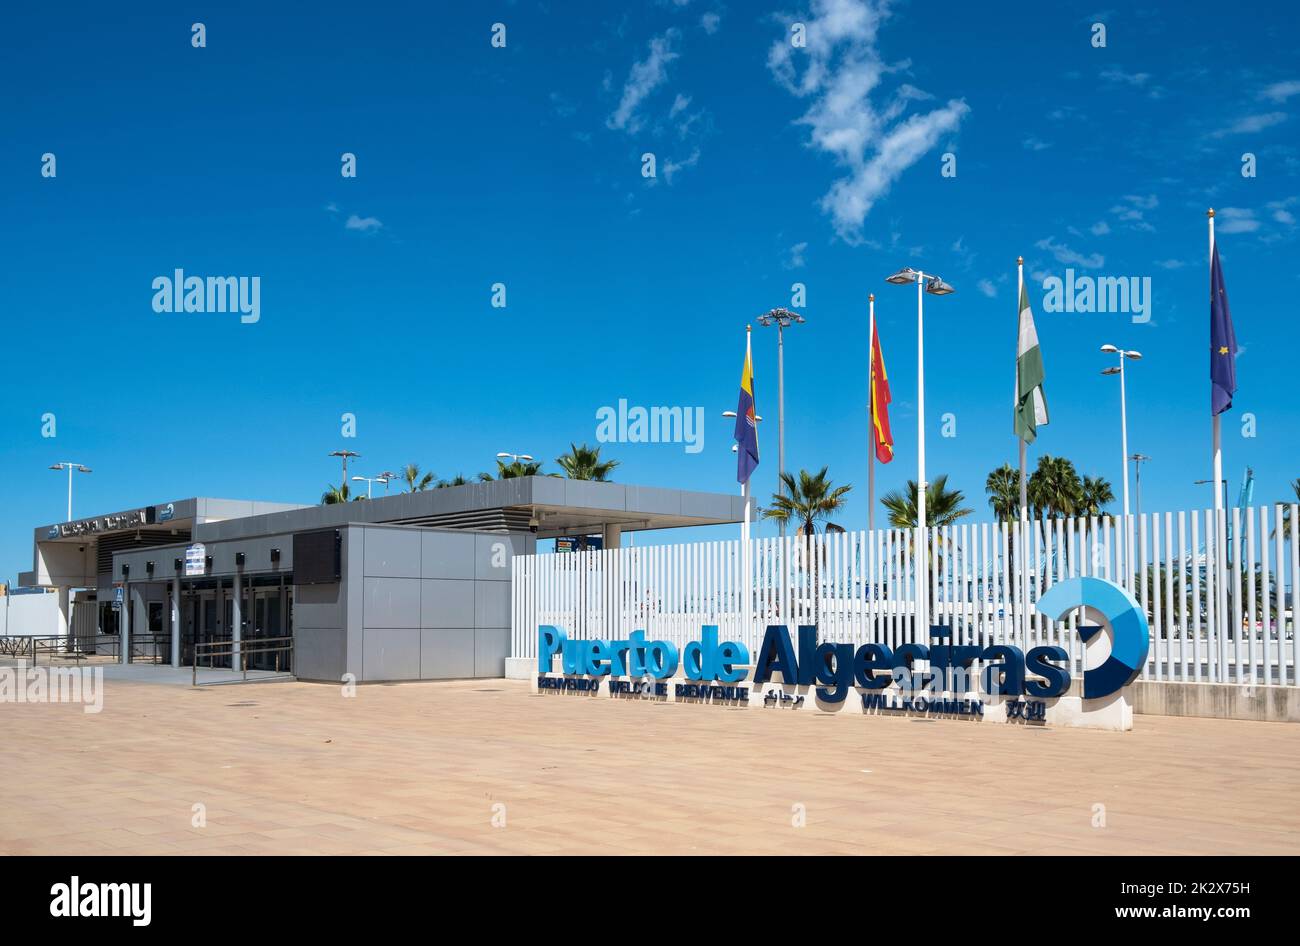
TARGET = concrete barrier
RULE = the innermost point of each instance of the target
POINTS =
(1274, 704)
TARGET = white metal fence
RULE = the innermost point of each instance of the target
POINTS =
(1217, 588)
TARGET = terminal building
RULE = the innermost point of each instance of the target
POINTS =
(413, 586)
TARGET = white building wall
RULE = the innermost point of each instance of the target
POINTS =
(29, 615)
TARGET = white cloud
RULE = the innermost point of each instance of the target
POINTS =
(671, 167)
(1035, 144)
(1170, 263)
(1070, 257)
(710, 22)
(1250, 124)
(1281, 91)
(1133, 211)
(1235, 220)
(364, 224)
(796, 260)
(563, 107)
(1100, 228)
(679, 105)
(643, 78)
(1280, 212)
(986, 287)
(1136, 79)
(841, 68)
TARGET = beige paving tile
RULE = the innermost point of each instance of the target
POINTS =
(417, 769)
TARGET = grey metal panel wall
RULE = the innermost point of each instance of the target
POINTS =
(411, 603)
(435, 604)
(320, 631)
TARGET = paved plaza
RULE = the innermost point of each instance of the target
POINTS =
(485, 767)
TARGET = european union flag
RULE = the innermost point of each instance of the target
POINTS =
(1223, 342)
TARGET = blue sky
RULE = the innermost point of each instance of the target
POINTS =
(522, 165)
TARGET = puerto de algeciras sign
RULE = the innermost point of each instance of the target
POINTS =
(936, 679)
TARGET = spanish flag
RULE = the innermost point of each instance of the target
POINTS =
(746, 422)
(880, 398)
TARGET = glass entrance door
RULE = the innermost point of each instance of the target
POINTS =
(212, 627)
(268, 622)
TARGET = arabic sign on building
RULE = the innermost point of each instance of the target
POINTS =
(114, 523)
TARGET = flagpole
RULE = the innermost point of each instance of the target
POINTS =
(1222, 554)
(745, 551)
(1215, 422)
(871, 410)
(1015, 400)
(1023, 559)
(744, 487)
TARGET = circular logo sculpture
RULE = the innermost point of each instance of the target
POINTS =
(1120, 613)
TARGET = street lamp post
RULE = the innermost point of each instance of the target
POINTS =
(925, 282)
(1123, 356)
(370, 480)
(516, 457)
(1138, 459)
(71, 468)
(346, 455)
(782, 319)
(1222, 483)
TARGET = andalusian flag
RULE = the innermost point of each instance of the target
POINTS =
(880, 398)
(746, 422)
(1031, 406)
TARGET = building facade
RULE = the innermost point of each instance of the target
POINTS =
(414, 586)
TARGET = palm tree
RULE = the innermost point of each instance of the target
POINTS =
(584, 463)
(1286, 507)
(807, 501)
(338, 494)
(943, 506)
(416, 482)
(513, 469)
(1095, 495)
(457, 480)
(1055, 488)
(1003, 489)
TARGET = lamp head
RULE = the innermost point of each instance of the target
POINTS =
(1135, 355)
(782, 317)
(1110, 371)
(1109, 349)
(937, 287)
(904, 276)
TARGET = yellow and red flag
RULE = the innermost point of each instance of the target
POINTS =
(884, 440)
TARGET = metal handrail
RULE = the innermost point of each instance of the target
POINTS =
(242, 648)
(19, 646)
(80, 646)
